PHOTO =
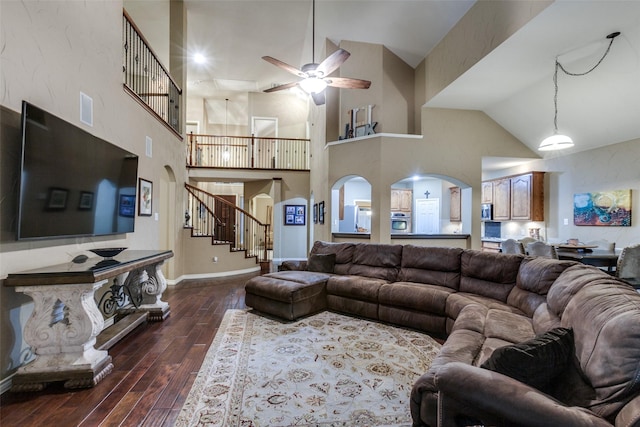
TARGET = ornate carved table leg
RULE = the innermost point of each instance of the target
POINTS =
(62, 331)
(149, 282)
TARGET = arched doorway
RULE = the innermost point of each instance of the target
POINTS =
(170, 219)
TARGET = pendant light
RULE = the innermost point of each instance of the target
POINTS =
(558, 141)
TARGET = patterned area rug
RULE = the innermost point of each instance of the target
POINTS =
(324, 370)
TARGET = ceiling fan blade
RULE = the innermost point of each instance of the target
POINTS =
(281, 87)
(348, 83)
(290, 68)
(318, 98)
(332, 62)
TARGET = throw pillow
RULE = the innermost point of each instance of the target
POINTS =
(321, 263)
(535, 362)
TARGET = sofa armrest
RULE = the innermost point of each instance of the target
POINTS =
(469, 392)
(293, 265)
(629, 415)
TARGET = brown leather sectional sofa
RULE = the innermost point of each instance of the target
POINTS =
(481, 302)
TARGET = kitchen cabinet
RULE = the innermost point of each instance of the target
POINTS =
(527, 197)
(502, 199)
(490, 246)
(487, 192)
(455, 211)
(401, 200)
(516, 198)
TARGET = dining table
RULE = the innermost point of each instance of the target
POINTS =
(591, 255)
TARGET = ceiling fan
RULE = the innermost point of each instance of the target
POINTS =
(316, 76)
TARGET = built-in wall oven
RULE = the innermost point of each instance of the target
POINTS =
(400, 222)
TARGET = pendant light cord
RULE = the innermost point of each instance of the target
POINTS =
(611, 38)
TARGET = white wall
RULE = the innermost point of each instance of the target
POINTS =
(52, 51)
(614, 167)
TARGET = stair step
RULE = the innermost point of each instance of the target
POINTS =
(114, 333)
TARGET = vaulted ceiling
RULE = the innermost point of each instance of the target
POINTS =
(513, 84)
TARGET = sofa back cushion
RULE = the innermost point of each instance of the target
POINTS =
(377, 261)
(569, 283)
(489, 274)
(535, 277)
(605, 318)
(430, 265)
(342, 251)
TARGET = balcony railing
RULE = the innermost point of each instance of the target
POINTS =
(222, 221)
(146, 78)
(249, 152)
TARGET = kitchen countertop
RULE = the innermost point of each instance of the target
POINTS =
(407, 235)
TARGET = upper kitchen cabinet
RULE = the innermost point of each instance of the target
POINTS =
(527, 197)
(455, 214)
(502, 199)
(517, 198)
(401, 200)
(487, 192)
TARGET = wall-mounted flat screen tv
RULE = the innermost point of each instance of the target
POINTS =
(72, 183)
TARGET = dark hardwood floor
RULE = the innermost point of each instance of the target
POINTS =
(154, 367)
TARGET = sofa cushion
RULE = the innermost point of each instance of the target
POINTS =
(509, 327)
(376, 261)
(322, 263)
(536, 362)
(605, 318)
(569, 283)
(430, 265)
(459, 300)
(415, 296)
(489, 274)
(343, 252)
(535, 277)
(355, 287)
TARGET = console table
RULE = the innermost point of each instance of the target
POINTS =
(66, 320)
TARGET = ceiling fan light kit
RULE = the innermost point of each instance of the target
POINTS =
(313, 85)
(558, 141)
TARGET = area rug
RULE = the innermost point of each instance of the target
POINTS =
(324, 370)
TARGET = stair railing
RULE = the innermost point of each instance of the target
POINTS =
(212, 216)
(247, 152)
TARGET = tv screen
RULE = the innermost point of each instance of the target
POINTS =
(72, 183)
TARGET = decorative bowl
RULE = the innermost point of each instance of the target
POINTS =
(107, 252)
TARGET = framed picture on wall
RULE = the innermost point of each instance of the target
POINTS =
(315, 213)
(295, 215)
(145, 196)
(321, 212)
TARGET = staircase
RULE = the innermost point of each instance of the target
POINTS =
(213, 217)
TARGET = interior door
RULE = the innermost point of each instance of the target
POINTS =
(265, 127)
(427, 216)
(226, 224)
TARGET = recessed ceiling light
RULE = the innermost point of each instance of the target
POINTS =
(199, 58)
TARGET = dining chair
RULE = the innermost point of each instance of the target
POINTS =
(542, 249)
(603, 244)
(512, 246)
(628, 267)
(526, 240)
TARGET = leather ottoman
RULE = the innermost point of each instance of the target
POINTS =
(288, 294)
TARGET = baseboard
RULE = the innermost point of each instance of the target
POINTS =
(174, 282)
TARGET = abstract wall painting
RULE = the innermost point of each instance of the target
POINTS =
(609, 208)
